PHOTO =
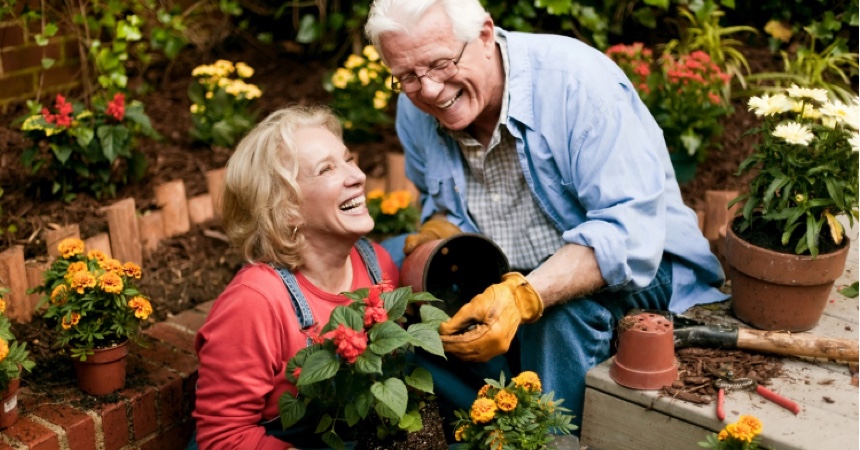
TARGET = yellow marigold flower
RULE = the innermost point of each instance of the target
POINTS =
(753, 422)
(379, 103)
(483, 410)
(740, 431)
(353, 61)
(482, 393)
(60, 294)
(364, 77)
(528, 380)
(4, 349)
(458, 435)
(375, 194)
(723, 435)
(141, 306)
(70, 247)
(341, 78)
(224, 66)
(111, 283)
(111, 265)
(82, 280)
(244, 70)
(97, 255)
(2, 305)
(506, 400)
(389, 206)
(370, 52)
(131, 270)
(195, 108)
(403, 198)
(209, 94)
(66, 324)
(74, 268)
(778, 30)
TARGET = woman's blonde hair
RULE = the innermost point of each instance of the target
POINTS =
(261, 201)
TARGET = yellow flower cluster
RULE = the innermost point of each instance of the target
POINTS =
(528, 380)
(218, 75)
(4, 349)
(366, 70)
(391, 202)
(744, 430)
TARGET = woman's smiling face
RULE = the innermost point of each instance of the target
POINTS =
(332, 186)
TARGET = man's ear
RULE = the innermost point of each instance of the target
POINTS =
(488, 35)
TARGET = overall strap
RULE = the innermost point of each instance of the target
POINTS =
(300, 303)
(368, 255)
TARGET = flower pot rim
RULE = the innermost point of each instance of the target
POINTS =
(846, 244)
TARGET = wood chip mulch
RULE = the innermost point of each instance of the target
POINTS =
(698, 369)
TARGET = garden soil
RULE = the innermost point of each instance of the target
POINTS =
(193, 268)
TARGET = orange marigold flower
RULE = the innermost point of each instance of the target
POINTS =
(131, 270)
(403, 198)
(82, 280)
(111, 265)
(458, 435)
(506, 400)
(75, 267)
(4, 349)
(97, 255)
(389, 206)
(484, 390)
(70, 247)
(375, 194)
(753, 422)
(740, 431)
(141, 306)
(111, 283)
(528, 380)
(69, 322)
(60, 294)
(483, 410)
(2, 305)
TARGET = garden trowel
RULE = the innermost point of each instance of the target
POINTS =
(693, 333)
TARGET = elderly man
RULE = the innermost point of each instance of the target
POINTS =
(542, 144)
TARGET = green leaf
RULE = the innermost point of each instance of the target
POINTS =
(113, 139)
(850, 291)
(325, 422)
(350, 413)
(223, 133)
(431, 313)
(426, 336)
(333, 440)
(47, 63)
(318, 367)
(369, 363)
(308, 30)
(386, 337)
(346, 316)
(391, 393)
(420, 379)
(62, 153)
(411, 422)
(396, 301)
(291, 409)
(363, 401)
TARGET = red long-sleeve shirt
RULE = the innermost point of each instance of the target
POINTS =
(249, 336)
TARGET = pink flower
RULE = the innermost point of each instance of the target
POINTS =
(350, 343)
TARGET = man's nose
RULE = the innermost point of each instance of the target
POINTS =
(430, 88)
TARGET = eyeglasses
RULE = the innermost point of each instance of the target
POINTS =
(441, 72)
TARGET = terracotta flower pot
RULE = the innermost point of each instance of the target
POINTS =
(454, 269)
(9, 404)
(104, 371)
(780, 291)
(646, 352)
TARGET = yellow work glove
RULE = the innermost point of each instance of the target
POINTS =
(431, 230)
(496, 313)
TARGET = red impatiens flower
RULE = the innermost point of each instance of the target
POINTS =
(350, 343)
(313, 332)
(63, 117)
(116, 107)
(375, 311)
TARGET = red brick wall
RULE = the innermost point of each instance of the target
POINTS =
(21, 73)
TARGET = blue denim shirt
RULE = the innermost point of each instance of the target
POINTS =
(594, 159)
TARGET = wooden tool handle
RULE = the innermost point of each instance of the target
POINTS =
(798, 344)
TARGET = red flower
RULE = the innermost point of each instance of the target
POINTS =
(375, 311)
(297, 372)
(386, 284)
(63, 117)
(116, 107)
(350, 343)
(313, 332)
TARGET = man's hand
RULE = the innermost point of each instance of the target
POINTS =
(431, 230)
(496, 313)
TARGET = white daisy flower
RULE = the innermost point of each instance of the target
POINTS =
(794, 133)
(819, 95)
(855, 141)
(836, 110)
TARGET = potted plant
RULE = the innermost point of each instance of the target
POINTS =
(788, 247)
(14, 358)
(512, 416)
(95, 308)
(359, 373)
(392, 212)
(684, 93)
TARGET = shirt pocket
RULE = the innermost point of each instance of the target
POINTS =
(443, 192)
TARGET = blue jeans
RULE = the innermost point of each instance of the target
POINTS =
(561, 347)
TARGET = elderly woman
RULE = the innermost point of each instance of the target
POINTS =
(294, 204)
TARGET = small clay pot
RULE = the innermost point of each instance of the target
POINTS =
(646, 352)
(454, 269)
(9, 404)
(104, 371)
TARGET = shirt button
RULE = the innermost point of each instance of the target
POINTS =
(456, 189)
(496, 197)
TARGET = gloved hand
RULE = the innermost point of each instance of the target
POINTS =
(496, 314)
(431, 230)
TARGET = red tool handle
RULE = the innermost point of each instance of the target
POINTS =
(778, 399)
(721, 397)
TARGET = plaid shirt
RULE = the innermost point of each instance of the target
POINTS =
(498, 198)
